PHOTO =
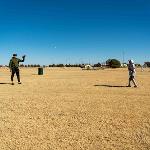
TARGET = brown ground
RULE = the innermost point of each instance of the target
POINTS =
(72, 109)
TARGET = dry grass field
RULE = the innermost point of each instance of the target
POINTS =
(72, 109)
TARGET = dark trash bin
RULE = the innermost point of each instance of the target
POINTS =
(40, 71)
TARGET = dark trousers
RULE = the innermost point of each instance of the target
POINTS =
(13, 71)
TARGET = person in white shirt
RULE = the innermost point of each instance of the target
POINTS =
(132, 72)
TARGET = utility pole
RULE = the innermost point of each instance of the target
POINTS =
(89, 61)
(123, 54)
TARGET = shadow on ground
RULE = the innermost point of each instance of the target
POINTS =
(5, 83)
(110, 85)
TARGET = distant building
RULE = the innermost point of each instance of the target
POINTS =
(146, 64)
(124, 65)
(88, 67)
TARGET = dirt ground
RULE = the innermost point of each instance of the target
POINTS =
(72, 109)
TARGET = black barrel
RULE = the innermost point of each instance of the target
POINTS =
(40, 71)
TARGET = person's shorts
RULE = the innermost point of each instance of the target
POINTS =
(15, 70)
(131, 77)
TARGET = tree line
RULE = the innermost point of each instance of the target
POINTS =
(113, 63)
(59, 65)
(110, 63)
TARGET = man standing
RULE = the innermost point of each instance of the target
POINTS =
(14, 67)
(132, 72)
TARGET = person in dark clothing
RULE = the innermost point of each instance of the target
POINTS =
(14, 67)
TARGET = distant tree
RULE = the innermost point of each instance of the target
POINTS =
(53, 65)
(108, 62)
(67, 65)
(60, 65)
(82, 65)
(97, 65)
(113, 63)
(38, 65)
(21, 65)
(75, 65)
(138, 65)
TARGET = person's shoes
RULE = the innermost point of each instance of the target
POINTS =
(12, 83)
(135, 86)
(19, 82)
(129, 86)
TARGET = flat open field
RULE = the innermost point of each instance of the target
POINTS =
(72, 109)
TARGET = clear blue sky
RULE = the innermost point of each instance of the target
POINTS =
(74, 31)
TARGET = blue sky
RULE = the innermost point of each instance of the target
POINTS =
(74, 31)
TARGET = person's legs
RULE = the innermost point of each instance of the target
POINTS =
(12, 75)
(18, 75)
(134, 82)
(130, 78)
